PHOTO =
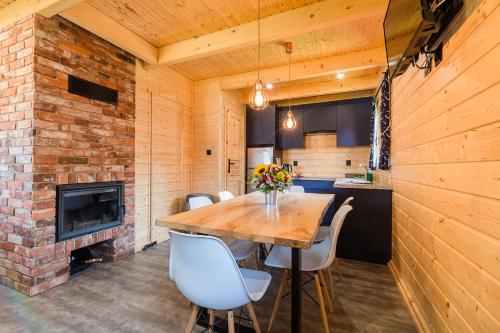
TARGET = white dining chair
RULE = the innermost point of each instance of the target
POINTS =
(225, 195)
(241, 249)
(315, 260)
(198, 202)
(206, 273)
(297, 189)
(323, 231)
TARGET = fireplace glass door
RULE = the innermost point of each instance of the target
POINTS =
(88, 208)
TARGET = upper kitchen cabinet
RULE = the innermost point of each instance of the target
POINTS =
(353, 122)
(262, 126)
(292, 138)
(320, 117)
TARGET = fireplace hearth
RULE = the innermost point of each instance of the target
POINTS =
(83, 209)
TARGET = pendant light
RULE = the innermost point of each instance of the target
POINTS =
(258, 99)
(290, 123)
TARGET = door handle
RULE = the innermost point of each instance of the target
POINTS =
(229, 163)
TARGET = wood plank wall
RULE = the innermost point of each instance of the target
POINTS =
(164, 148)
(209, 171)
(208, 133)
(446, 181)
(322, 158)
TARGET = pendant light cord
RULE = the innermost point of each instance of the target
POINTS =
(289, 83)
(258, 40)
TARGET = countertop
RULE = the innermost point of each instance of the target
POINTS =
(347, 183)
(314, 178)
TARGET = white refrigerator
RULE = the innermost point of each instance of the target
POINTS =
(256, 156)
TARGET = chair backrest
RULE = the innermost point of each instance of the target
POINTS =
(197, 202)
(297, 189)
(331, 239)
(347, 201)
(205, 271)
(225, 195)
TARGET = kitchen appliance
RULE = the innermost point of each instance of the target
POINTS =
(256, 156)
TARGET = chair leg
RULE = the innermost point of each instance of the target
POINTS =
(253, 317)
(330, 280)
(337, 267)
(281, 291)
(327, 293)
(211, 320)
(192, 319)
(324, 318)
(230, 322)
(257, 257)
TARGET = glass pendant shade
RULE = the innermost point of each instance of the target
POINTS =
(289, 122)
(258, 99)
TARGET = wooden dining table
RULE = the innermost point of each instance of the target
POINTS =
(292, 222)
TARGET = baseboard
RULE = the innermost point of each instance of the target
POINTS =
(409, 299)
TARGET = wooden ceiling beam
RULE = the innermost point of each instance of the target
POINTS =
(90, 18)
(322, 88)
(309, 69)
(317, 16)
(22, 8)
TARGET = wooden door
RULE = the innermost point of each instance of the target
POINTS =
(235, 151)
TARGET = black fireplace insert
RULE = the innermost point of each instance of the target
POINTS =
(87, 208)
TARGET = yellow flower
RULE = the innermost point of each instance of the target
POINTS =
(260, 169)
(281, 176)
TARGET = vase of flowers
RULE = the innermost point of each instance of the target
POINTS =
(270, 179)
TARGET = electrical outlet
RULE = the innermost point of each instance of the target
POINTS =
(295, 163)
(347, 162)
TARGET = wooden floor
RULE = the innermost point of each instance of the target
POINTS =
(136, 295)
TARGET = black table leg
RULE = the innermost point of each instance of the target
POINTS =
(296, 291)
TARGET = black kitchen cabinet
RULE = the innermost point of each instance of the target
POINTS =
(262, 126)
(291, 138)
(366, 232)
(353, 122)
(320, 117)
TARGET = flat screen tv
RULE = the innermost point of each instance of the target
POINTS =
(408, 25)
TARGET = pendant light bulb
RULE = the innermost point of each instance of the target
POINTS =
(290, 122)
(258, 99)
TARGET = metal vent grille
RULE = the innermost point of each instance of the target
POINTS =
(92, 90)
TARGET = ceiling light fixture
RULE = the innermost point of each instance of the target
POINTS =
(269, 86)
(340, 76)
(258, 99)
(290, 123)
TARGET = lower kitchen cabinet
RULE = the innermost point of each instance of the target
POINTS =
(366, 232)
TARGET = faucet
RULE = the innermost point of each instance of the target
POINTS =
(364, 166)
(368, 174)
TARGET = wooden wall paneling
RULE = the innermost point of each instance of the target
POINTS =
(164, 128)
(142, 162)
(322, 158)
(446, 182)
(208, 126)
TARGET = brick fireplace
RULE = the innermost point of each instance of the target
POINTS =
(49, 137)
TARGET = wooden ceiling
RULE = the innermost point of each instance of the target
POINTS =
(205, 39)
(4, 3)
(361, 35)
(162, 22)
